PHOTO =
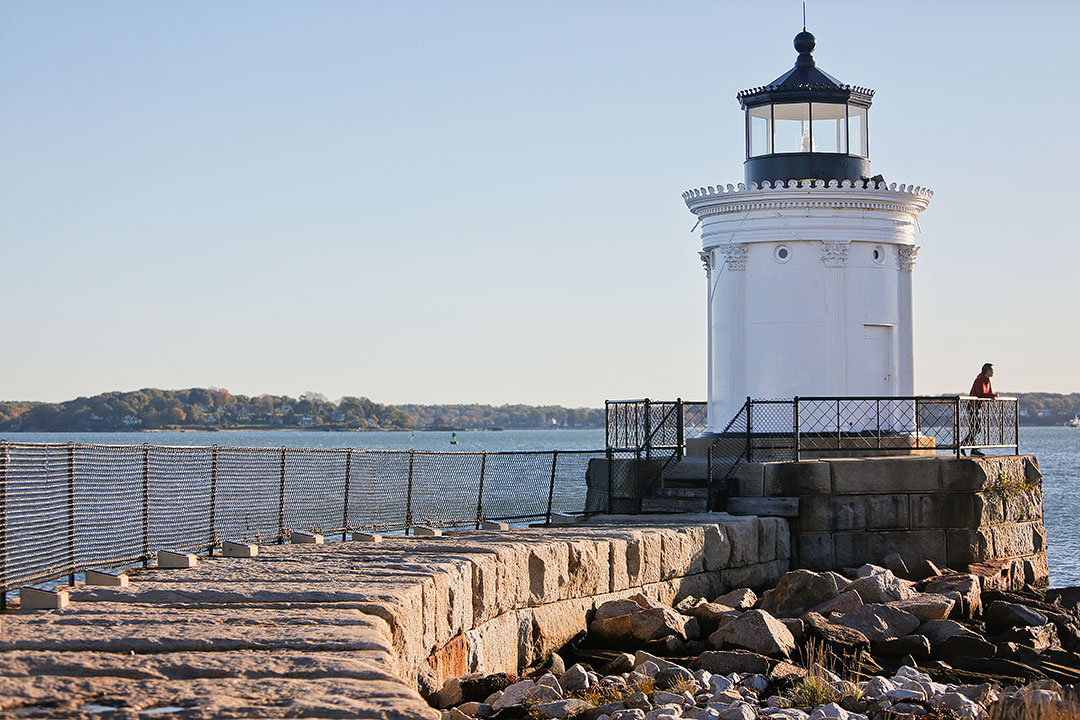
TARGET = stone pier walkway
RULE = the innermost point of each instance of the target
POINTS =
(336, 630)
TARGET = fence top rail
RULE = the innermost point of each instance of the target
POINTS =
(261, 449)
(925, 398)
(654, 402)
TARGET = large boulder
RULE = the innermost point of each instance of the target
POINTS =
(1003, 615)
(758, 631)
(843, 603)
(880, 622)
(926, 606)
(741, 599)
(839, 638)
(637, 619)
(798, 591)
(881, 587)
(966, 586)
(712, 616)
(725, 662)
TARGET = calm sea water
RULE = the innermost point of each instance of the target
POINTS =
(1058, 450)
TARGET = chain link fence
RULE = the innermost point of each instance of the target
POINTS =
(66, 508)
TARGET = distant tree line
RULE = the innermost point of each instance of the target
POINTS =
(153, 409)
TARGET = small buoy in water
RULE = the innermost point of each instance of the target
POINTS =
(453, 438)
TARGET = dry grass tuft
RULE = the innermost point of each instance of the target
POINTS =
(1036, 708)
(814, 689)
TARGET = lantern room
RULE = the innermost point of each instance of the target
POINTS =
(806, 125)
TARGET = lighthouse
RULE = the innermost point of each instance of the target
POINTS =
(809, 260)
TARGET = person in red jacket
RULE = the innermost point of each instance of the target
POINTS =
(981, 388)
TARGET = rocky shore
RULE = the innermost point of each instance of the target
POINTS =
(873, 643)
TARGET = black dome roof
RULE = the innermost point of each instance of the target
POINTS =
(805, 82)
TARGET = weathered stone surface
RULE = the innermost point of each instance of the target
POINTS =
(938, 631)
(926, 606)
(642, 624)
(887, 512)
(967, 586)
(757, 631)
(797, 479)
(721, 662)
(924, 569)
(845, 602)
(881, 587)
(712, 616)
(969, 545)
(1001, 615)
(743, 533)
(895, 562)
(916, 646)
(842, 638)
(880, 622)
(740, 599)
(896, 475)
(854, 549)
(562, 708)
(832, 513)
(800, 590)
(1037, 637)
(717, 548)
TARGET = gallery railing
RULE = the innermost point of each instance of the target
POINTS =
(652, 425)
(66, 508)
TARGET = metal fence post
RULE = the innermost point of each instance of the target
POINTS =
(281, 500)
(345, 503)
(680, 430)
(71, 510)
(956, 426)
(647, 439)
(213, 500)
(408, 496)
(551, 488)
(3, 525)
(146, 505)
(607, 423)
(798, 439)
(1016, 431)
(610, 478)
(877, 409)
(480, 492)
(749, 431)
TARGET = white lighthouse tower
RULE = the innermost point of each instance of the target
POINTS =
(809, 261)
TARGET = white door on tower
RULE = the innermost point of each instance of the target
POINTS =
(876, 361)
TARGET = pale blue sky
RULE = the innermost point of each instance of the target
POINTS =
(480, 201)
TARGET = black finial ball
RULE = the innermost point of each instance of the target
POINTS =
(805, 42)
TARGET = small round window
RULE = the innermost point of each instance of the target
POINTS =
(879, 255)
(782, 253)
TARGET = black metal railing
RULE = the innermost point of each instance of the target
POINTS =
(789, 429)
(66, 508)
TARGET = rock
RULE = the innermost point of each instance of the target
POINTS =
(868, 570)
(880, 622)
(659, 663)
(905, 695)
(669, 646)
(638, 700)
(670, 677)
(926, 606)
(738, 711)
(832, 711)
(881, 587)
(997, 666)
(623, 662)
(916, 646)
(1039, 638)
(896, 564)
(719, 684)
(515, 694)
(688, 603)
(796, 627)
(958, 703)
(549, 680)
(799, 590)
(924, 569)
(721, 662)
(576, 678)
(758, 631)
(843, 603)
(1001, 615)
(563, 708)
(604, 710)
(641, 625)
(476, 709)
(967, 586)
(712, 616)
(628, 714)
(663, 697)
(556, 665)
(459, 714)
(669, 713)
(938, 631)
(450, 694)
(877, 686)
(974, 645)
(615, 608)
(741, 599)
(839, 637)
(546, 694)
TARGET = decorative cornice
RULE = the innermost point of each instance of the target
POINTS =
(729, 189)
(834, 252)
(807, 194)
(706, 260)
(908, 255)
(735, 255)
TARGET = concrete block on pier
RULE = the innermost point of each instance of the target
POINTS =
(303, 538)
(37, 599)
(492, 525)
(367, 537)
(563, 519)
(93, 577)
(170, 559)
(229, 548)
(426, 531)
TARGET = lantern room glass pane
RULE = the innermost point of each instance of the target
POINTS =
(760, 130)
(791, 128)
(857, 139)
(829, 127)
